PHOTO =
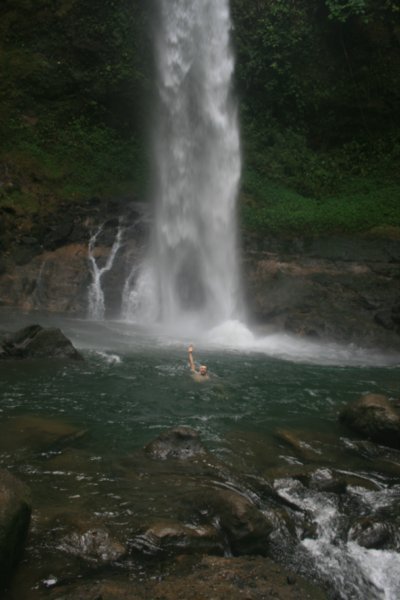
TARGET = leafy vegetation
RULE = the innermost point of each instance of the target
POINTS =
(319, 83)
(365, 205)
(319, 89)
(73, 80)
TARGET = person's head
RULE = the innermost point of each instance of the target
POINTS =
(203, 370)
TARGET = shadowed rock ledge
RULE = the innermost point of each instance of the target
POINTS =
(15, 513)
(250, 578)
(35, 341)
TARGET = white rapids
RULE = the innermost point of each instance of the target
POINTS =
(355, 571)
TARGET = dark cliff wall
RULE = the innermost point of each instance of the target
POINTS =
(343, 289)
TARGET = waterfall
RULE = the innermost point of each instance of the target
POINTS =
(190, 273)
(96, 304)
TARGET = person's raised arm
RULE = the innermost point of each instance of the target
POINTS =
(191, 361)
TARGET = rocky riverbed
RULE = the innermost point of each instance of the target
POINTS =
(145, 483)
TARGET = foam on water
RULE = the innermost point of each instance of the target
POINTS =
(380, 567)
(113, 337)
(110, 359)
(235, 335)
(358, 572)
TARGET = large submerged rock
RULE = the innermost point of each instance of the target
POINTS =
(375, 417)
(181, 443)
(38, 434)
(370, 532)
(15, 513)
(245, 528)
(36, 341)
(96, 546)
(169, 538)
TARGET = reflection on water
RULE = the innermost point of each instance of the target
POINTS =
(75, 432)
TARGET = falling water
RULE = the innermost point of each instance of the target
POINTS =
(40, 289)
(191, 269)
(96, 304)
(356, 572)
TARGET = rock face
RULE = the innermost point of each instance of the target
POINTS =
(50, 269)
(374, 417)
(35, 341)
(342, 289)
(180, 443)
(15, 512)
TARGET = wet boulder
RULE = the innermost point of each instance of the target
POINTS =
(243, 526)
(169, 537)
(294, 440)
(372, 533)
(15, 513)
(181, 443)
(35, 341)
(95, 546)
(324, 480)
(374, 417)
(79, 533)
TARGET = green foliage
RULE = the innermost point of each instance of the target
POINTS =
(73, 80)
(65, 59)
(306, 65)
(319, 89)
(319, 81)
(368, 10)
(343, 9)
(79, 161)
(362, 206)
(274, 41)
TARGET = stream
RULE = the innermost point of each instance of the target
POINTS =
(75, 432)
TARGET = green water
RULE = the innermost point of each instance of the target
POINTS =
(131, 387)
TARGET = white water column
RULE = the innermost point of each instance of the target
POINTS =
(191, 274)
(96, 304)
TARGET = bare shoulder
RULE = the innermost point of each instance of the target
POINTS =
(199, 378)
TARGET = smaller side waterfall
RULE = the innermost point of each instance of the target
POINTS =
(96, 304)
(40, 289)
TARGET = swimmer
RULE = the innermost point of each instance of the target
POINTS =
(200, 375)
